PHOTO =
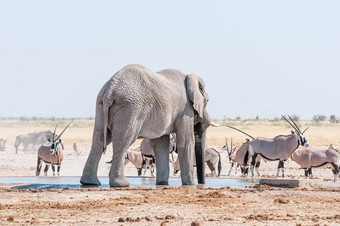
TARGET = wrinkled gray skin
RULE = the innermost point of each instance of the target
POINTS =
(139, 103)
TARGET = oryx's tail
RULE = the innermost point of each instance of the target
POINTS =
(219, 166)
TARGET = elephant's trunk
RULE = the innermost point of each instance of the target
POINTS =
(200, 135)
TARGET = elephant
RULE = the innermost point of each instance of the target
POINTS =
(139, 103)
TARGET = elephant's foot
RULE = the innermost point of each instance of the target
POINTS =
(119, 182)
(89, 180)
(162, 183)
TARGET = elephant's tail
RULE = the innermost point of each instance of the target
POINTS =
(219, 167)
(106, 118)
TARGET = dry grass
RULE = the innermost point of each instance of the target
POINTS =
(80, 131)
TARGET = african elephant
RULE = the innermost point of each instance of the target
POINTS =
(139, 103)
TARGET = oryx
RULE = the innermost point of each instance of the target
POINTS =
(149, 155)
(76, 151)
(51, 153)
(134, 155)
(241, 156)
(236, 157)
(313, 157)
(231, 155)
(2, 144)
(279, 148)
(211, 157)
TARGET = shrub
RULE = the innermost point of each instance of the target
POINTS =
(319, 118)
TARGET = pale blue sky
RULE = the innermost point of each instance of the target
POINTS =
(263, 58)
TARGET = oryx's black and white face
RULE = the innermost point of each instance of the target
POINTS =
(303, 140)
(53, 147)
(55, 141)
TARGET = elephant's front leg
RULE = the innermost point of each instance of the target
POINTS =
(185, 147)
(161, 149)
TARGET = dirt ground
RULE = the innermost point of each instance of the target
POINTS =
(258, 205)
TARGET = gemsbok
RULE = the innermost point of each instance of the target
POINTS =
(134, 155)
(2, 144)
(237, 156)
(314, 157)
(211, 157)
(279, 148)
(76, 151)
(231, 155)
(51, 153)
(241, 156)
(149, 155)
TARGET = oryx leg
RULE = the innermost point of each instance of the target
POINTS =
(306, 173)
(335, 170)
(139, 171)
(280, 166)
(53, 169)
(246, 169)
(153, 166)
(257, 165)
(242, 171)
(39, 163)
(252, 164)
(231, 167)
(47, 166)
(212, 168)
(58, 170)
(310, 173)
(237, 166)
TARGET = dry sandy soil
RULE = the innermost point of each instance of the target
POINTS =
(258, 205)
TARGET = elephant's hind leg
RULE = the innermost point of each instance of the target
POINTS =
(124, 134)
(89, 176)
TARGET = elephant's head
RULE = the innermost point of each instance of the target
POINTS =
(199, 98)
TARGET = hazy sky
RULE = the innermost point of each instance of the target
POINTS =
(263, 58)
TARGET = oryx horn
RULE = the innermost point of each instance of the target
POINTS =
(305, 130)
(295, 124)
(64, 130)
(290, 123)
(226, 144)
(231, 145)
(241, 131)
(55, 129)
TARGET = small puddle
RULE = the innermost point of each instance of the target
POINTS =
(144, 182)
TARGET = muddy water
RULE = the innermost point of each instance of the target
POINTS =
(144, 182)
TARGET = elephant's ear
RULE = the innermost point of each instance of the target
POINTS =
(196, 93)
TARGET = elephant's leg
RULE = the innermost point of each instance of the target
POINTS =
(89, 176)
(186, 147)
(161, 149)
(121, 141)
